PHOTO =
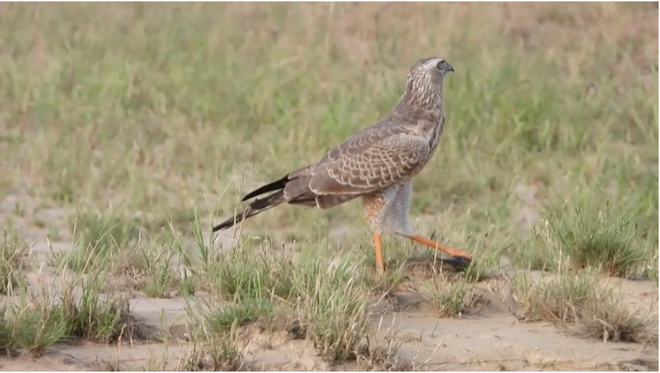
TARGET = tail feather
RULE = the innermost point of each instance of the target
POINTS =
(275, 185)
(297, 193)
(256, 207)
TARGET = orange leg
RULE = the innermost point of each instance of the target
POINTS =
(379, 254)
(438, 246)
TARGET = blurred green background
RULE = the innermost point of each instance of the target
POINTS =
(162, 111)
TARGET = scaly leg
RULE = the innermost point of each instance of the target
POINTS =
(397, 222)
(375, 207)
(380, 267)
(440, 247)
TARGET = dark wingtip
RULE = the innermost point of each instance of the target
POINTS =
(250, 195)
(275, 185)
(222, 226)
(226, 224)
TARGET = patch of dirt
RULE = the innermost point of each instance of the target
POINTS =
(486, 335)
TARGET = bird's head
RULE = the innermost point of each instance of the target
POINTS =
(425, 80)
(429, 72)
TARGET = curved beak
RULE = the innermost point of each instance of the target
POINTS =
(448, 67)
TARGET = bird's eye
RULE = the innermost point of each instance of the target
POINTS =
(440, 64)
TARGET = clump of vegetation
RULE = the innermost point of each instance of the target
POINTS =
(78, 310)
(221, 319)
(213, 354)
(332, 307)
(536, 252)
(597, 236)
(96, 316)
(31, 328)
(99, 240)
(104, 232)
(448, 297)
(148, 267)
(577, 301)
(327, 300)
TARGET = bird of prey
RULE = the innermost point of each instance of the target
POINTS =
(376, 164)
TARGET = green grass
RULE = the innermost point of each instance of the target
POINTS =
(96, 316)
(333, 308)
(242, 273)
(192, 111)
(39, 318)
(324, 299)
(598, 238)
(235, 315)
(135, 127)
(536, 251)
(448, 298)
(101, 233)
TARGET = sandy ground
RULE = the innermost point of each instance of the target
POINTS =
(489, 337)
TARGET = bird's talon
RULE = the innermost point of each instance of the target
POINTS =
(459, 262)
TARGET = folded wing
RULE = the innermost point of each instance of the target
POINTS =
(367, 162)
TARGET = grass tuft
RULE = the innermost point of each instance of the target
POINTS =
(448, 297)
(97, 317)
(597, 236)
(78, 310)
(242, 272)
(33, 327)
(332, 307)
(325, 298)
(380, 353)
(104, 233)
(232, 316)
(214, 354)
(537, 251)
(580, 303)
(99, 241)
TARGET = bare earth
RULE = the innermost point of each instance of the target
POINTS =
(488, 337)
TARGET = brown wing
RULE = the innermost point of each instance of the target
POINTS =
(369, 161)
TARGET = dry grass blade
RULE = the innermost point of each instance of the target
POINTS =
(580, 303)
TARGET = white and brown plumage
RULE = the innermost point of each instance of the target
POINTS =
(377, 164)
